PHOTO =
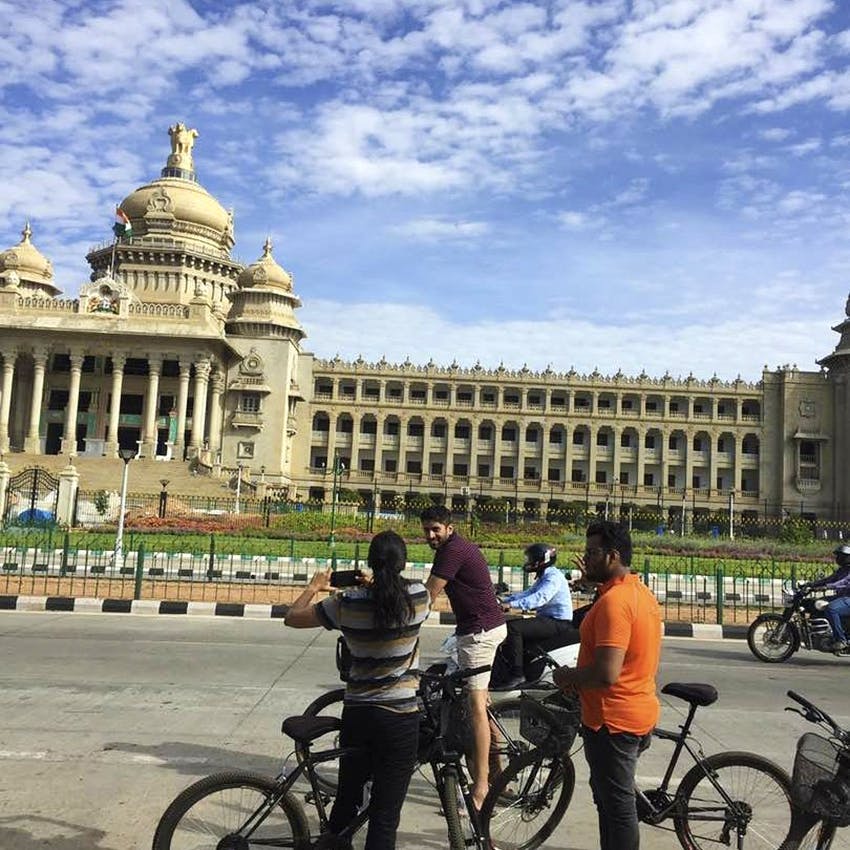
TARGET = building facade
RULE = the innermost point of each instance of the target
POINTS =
(178, 351)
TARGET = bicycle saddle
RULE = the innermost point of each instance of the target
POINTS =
(693, 693)
(305, 729)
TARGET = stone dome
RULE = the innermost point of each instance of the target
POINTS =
(176, 205)
(265, 272)
(25, 266)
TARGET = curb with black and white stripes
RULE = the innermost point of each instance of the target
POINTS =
(703, 631)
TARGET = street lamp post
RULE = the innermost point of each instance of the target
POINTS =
(238, 507)
(337, 469)
(684, 508)
(126, 454)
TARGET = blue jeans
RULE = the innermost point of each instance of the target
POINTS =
(840, 606)
(612, 758)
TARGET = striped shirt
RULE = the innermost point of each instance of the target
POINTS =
(384, 663)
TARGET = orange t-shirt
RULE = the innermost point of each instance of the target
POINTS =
(626, 615)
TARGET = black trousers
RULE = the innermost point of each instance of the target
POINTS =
(525, 630)
(387, 744)
(612, 758)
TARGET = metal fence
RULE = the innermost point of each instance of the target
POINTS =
(690, 588)
(228, 513)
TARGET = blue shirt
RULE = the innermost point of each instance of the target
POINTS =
(839, 581)
(549, 596)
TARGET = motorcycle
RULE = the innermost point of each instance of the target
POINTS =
(776, 637)
(540, 660)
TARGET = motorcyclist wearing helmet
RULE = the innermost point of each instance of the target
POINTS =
(549, 596)
(839, 583)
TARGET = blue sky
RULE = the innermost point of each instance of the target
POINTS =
(654, 185)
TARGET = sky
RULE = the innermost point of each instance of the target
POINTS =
(649, 186)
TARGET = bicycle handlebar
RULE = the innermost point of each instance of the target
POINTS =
(457, 676)
(816, 715)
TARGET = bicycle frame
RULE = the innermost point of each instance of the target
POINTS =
(649, 810)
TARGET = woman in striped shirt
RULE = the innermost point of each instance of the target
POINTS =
(380, 622)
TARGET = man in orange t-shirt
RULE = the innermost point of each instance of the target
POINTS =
(615, 679)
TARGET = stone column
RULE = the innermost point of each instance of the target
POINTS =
(4, 486)
(689, 458)
(427, 424)
(640, 464)
(69, 481)
(591, 454)
(10, 355)
(615, 454)
(149, 436)
(32, 444)
(182, 405)
(665, 458)
(712, 461)
(217, 386)
(111, 447)
(568, 453)
(69, 441)
(199, 409)
(737, 443)
(332, 423)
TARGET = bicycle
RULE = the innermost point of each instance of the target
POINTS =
(820, 785)
(725, 797)
(239, 810)
(504, 719)
(543, 783)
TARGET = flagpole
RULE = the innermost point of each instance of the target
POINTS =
(112, 259)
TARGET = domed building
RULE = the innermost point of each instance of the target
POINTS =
(176, 350)
(169, 350)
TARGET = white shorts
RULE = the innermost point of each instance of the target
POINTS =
(476, 650)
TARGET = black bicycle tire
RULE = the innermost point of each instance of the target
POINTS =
(449, 799)
(315, 708)
(696, 774)
(793, 642)
(499, 792)
(203, 788)
(826, 835)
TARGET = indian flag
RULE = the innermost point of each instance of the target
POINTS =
(122, 226)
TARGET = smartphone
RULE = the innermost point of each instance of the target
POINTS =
(345, 578)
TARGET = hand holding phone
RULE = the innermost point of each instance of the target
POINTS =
(345, 578)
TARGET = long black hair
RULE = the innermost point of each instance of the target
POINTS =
(387, 557)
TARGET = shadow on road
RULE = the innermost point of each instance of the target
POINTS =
(804, 658)
(31, 832)
(197, 759)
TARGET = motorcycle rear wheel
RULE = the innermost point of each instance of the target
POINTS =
(771, 639)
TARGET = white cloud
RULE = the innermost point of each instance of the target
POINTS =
(575, 220)
(806, 147)
(775, 134)
(439, 229)
(726, 346)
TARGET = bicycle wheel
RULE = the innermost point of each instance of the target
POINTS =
(451, 800)
(527, 801)
(329, 704)
(758, 806)
(211, 812)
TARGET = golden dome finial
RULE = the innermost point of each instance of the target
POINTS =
(267, 247)
(26, 233)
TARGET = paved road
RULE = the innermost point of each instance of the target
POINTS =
(104, 718)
